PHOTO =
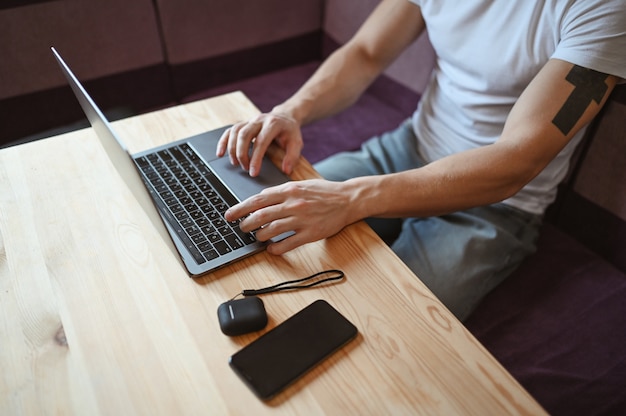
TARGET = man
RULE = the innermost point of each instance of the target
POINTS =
(463, 185)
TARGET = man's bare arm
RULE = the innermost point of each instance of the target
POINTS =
(338, 83)
(533, 135)
(343, 77)
(560, 100)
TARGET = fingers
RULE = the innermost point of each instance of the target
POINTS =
(263, 214)
(293, 150)
(288, 244)
(263, 140)
(258, 134)
(266, 198)
(276, 226)
(236, 142)
(307, 208)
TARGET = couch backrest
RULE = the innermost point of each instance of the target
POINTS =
(591, 205)
(210, 43)
(98, 37)
(602, 173)
(114, 40)
(194, 30)
(140, 54)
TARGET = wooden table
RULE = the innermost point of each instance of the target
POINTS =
(99, 317)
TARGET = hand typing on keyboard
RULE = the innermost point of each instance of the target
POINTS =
(313, 209)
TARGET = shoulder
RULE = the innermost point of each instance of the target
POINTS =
(589, 17)
(593, 35)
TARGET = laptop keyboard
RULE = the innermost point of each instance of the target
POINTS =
(196, 200)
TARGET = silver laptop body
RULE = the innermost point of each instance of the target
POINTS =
(184, 189)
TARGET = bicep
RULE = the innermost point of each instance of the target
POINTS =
(559, 101)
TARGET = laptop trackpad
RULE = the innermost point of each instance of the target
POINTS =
(239, 181)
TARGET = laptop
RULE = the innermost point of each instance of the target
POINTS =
(184, 189)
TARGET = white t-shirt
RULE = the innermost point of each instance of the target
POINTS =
(489, 51)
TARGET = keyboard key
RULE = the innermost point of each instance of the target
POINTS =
(142, 162)
(203, 222)
(176, 208)
(193, 229)
(196, 215)
(182, 216)
(222, 247)
(233, 241)
(178, 155)
(214, 237)
(211, 254)
(187, 222)
(165, 155)
(208, 229)
(247, 238)
(205, 246)
(198, 238)
(224, 230)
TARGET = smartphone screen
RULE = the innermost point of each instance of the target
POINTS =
(280, 356)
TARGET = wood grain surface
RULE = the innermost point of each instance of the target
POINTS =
(98, 317)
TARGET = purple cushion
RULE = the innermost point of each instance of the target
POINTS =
(346, 131)
(558, 324)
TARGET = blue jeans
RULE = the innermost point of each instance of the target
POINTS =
(460, 256)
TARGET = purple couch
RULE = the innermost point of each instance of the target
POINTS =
(558, 324)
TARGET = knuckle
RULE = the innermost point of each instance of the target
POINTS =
(261, 218)
(241, 152)
(293, 188)
(257, 200)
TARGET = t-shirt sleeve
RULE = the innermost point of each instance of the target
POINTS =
(593, 35)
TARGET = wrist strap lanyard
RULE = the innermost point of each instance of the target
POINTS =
(334, 276)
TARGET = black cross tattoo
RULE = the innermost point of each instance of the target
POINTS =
(590, 86)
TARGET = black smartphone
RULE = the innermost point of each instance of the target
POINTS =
(280, 356)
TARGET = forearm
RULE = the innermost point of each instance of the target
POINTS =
(344, 76)
(461, 181)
